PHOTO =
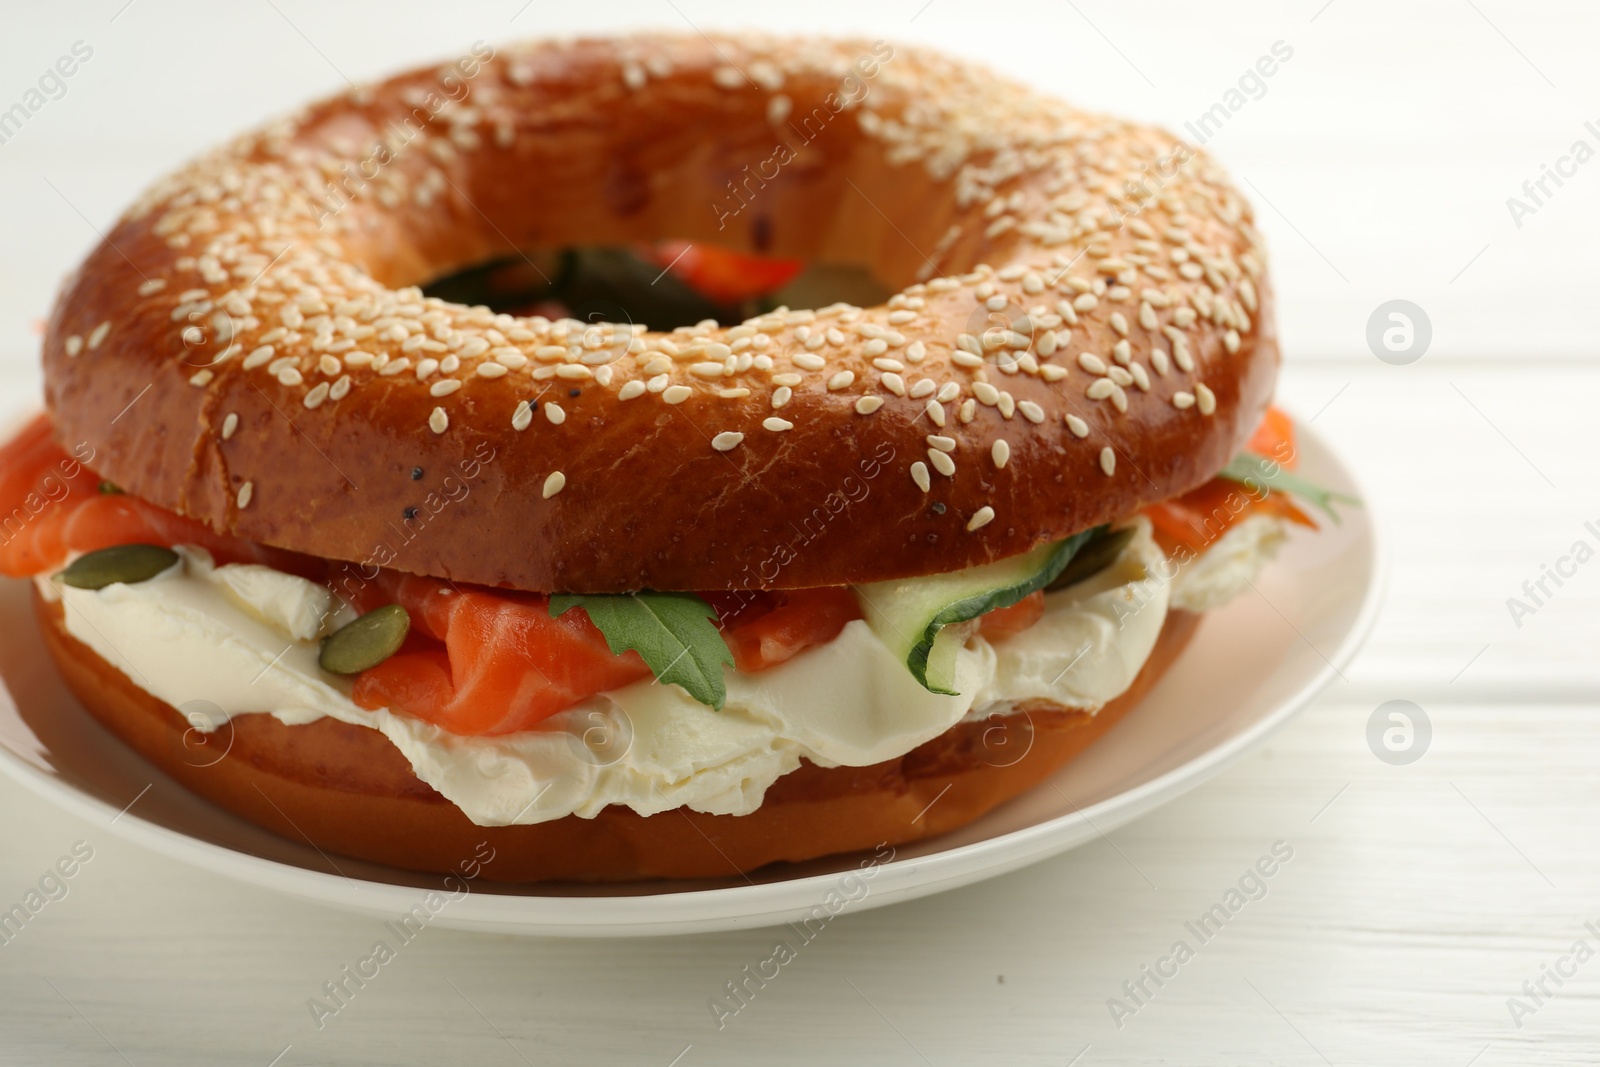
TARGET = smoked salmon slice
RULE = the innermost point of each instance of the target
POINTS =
(496, 663)
(52, 506)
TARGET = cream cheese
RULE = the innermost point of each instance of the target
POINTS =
(1228, 567)
(240, 639)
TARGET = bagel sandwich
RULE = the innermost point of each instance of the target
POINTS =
(655, 456)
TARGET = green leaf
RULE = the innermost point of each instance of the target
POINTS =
(1253, 471)
(675, 634)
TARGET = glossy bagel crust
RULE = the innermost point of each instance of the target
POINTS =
(347, 790)
(1083, 322)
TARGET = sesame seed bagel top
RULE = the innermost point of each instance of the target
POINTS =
(1084, 324)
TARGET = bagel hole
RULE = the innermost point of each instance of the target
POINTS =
(663, 287)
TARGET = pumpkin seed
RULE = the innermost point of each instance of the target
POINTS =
(366, 642)
(1093, 558)
(119, 563)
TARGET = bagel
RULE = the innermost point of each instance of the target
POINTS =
(346, 790)
(243, 307)
(399, 551)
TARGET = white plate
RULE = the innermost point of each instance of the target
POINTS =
(1251, 666)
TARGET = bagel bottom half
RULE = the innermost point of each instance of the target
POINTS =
(348, 790)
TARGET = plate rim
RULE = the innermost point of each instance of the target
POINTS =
(759, 904)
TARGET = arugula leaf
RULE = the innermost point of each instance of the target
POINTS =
(1249, 469)
(675, 633)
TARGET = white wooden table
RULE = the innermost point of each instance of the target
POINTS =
(1419, 899)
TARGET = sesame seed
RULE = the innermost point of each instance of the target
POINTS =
(726, 440)
(630, 390)
(676, 394)
(842, 380)
(1108, 461)
(444, 387)
(1078, 427)
(1091, 363)
(942, 443)
(317, 395)
(894, 383)
(554, 484)
(923, 387)
(935, 412)
(1051, 373)
(290, 376)
(152, 285)
(868, 404)
(968, 410)
(987, 394)
(982, 517)
(706, 370)
(1119, 376)
(246, 492)
(1000, 452)
(916, 352)
(522, 417)
(1182, 400)
(230, 425)
(942, 462)
(1181, 356)
(98, 334)
(919, 474)
(574, 372)
(777, 425)
(786, 379)
(438, 421)
(780, 396)
(554, 413)
(1031, 411)
(808, 361)
(73, 345)
(1204, 398)
(493, 370)
(1100, 388)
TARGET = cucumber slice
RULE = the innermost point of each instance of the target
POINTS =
(910, 616)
